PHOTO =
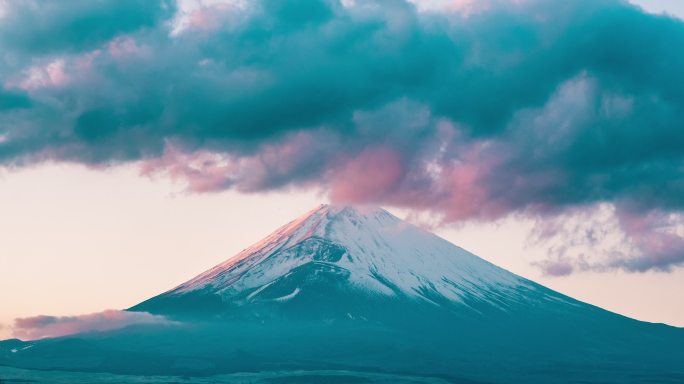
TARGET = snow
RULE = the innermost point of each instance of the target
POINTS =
(15, 350)
(384, 255)
(288, 296)
(253, 294)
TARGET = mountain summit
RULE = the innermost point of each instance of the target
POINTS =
(365, 252)
(357, 289)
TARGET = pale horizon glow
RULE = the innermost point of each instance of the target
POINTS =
(78, 240)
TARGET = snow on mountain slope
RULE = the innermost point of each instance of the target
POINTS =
(378, 253)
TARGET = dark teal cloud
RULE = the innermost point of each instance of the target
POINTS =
(44, 26)
(532, 107)
(13, 100)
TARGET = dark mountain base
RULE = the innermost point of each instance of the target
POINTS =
(467, 351)
(15, 376)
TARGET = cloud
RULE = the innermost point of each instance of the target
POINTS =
(13, 100)
(471, 112)
(44, 26)
(608, 237)
(38, 327)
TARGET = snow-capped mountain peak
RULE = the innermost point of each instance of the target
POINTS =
(373, 250)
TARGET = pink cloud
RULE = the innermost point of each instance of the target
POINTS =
(207, 18)
(369, 176)
(607, 237)
(48, 74)
(202, 171)
(456, 188)
(122, 47)
(38, 327)
(555, 267)
(467, 197)
(204, 19)
(657, 239)
(272, 166)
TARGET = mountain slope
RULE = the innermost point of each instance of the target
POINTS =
(360, 290)
(363, 254)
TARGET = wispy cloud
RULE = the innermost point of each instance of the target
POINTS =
(38, 327)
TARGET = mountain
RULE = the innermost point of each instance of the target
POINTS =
(360, 290)
(355, 256)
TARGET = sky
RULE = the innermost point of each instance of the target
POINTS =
(140, 146)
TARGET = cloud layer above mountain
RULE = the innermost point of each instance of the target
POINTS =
(476, 111)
